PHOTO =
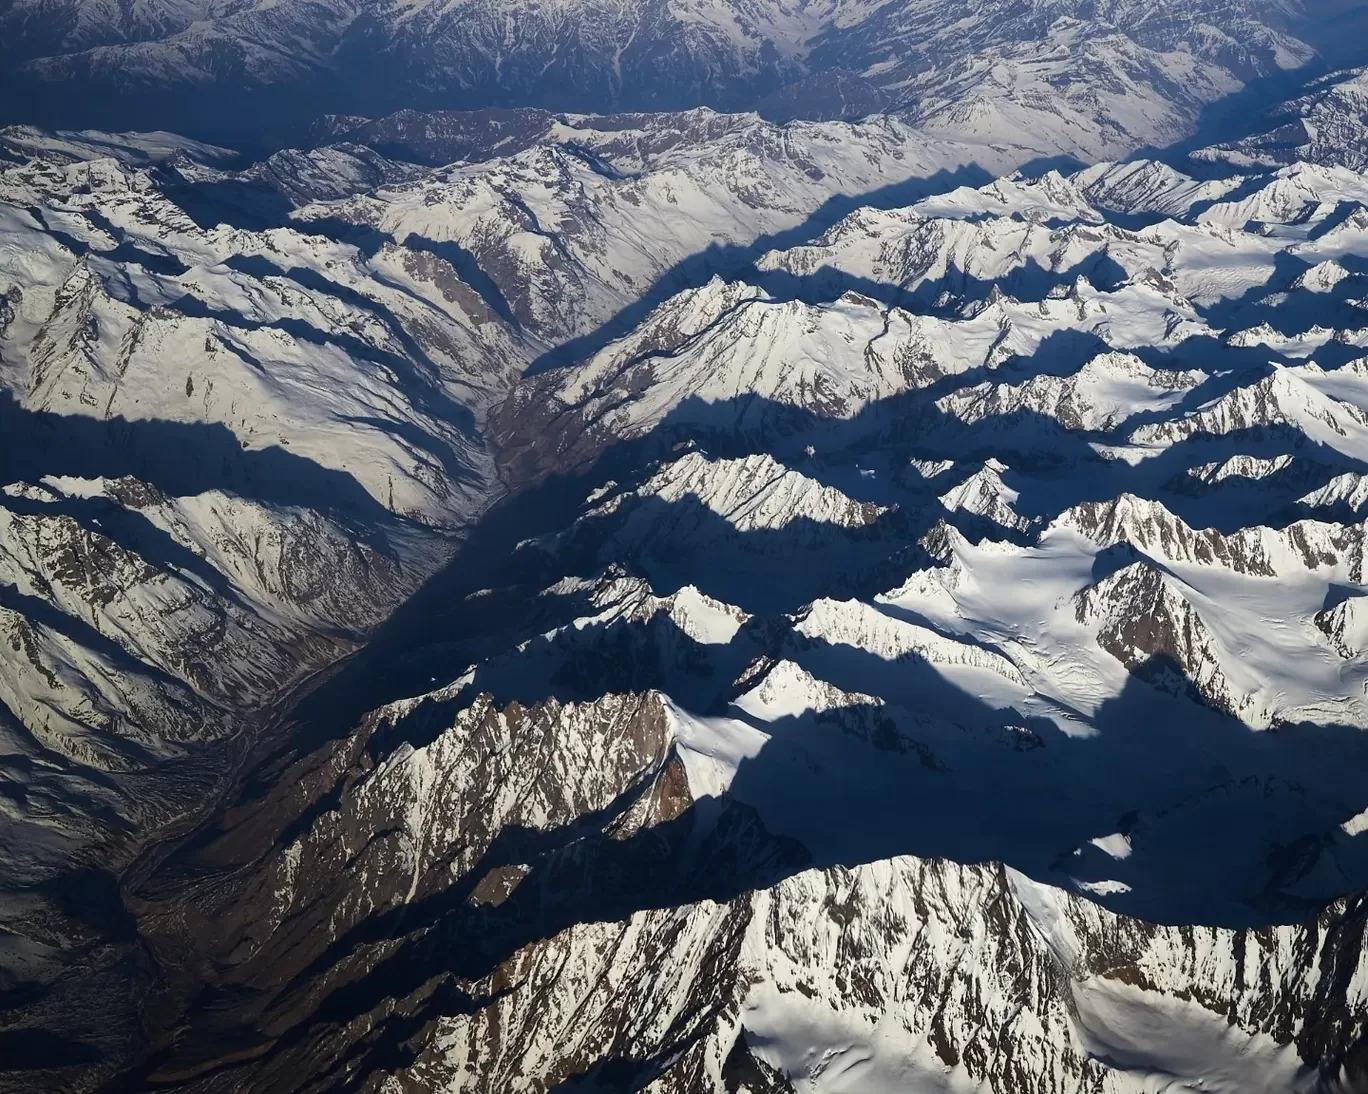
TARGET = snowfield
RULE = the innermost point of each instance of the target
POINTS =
(686, 603)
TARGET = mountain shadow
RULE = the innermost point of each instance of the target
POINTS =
(1225, 825)
(1035, 807)
(738, 262)
(177, 458)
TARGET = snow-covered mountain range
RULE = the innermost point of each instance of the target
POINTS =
(680, 602)
(1090, 79)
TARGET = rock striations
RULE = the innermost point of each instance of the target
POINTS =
(867, 626)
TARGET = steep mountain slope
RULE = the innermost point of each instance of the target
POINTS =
(869, 626)
(1080, 79)
(597, 221)
(244, 415)
(265, 421)
(1324, 126)
(227, 455)
(915, 646)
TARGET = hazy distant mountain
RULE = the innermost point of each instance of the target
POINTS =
(1083, 78)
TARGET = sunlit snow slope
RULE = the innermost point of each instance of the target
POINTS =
(1064, 77)
(880, 622)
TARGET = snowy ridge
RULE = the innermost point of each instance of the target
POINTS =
(1148, 186)
(1147, 624)
(985, 494)
(864, 627)
(1344, 492)
(1150, 527)
(1319, 127)
(1240, 467)
(901, 630)
(1081, 82)
(570, 242)
(1279, 399)
(815, 969)
(697, 615)
(129, 149)
(753, 493)
(1099, 396)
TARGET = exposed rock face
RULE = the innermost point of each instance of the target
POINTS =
(1081, 81)
(541, 896)
(1343, 624)
(1150, 627)
(903, 643)
(181, 536)
(234, 449)
(1323, 126)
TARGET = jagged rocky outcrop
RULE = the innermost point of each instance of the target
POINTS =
(900, 642)
(600, 916)
(1080, 81)
(1322, 126)
(1147, 624)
